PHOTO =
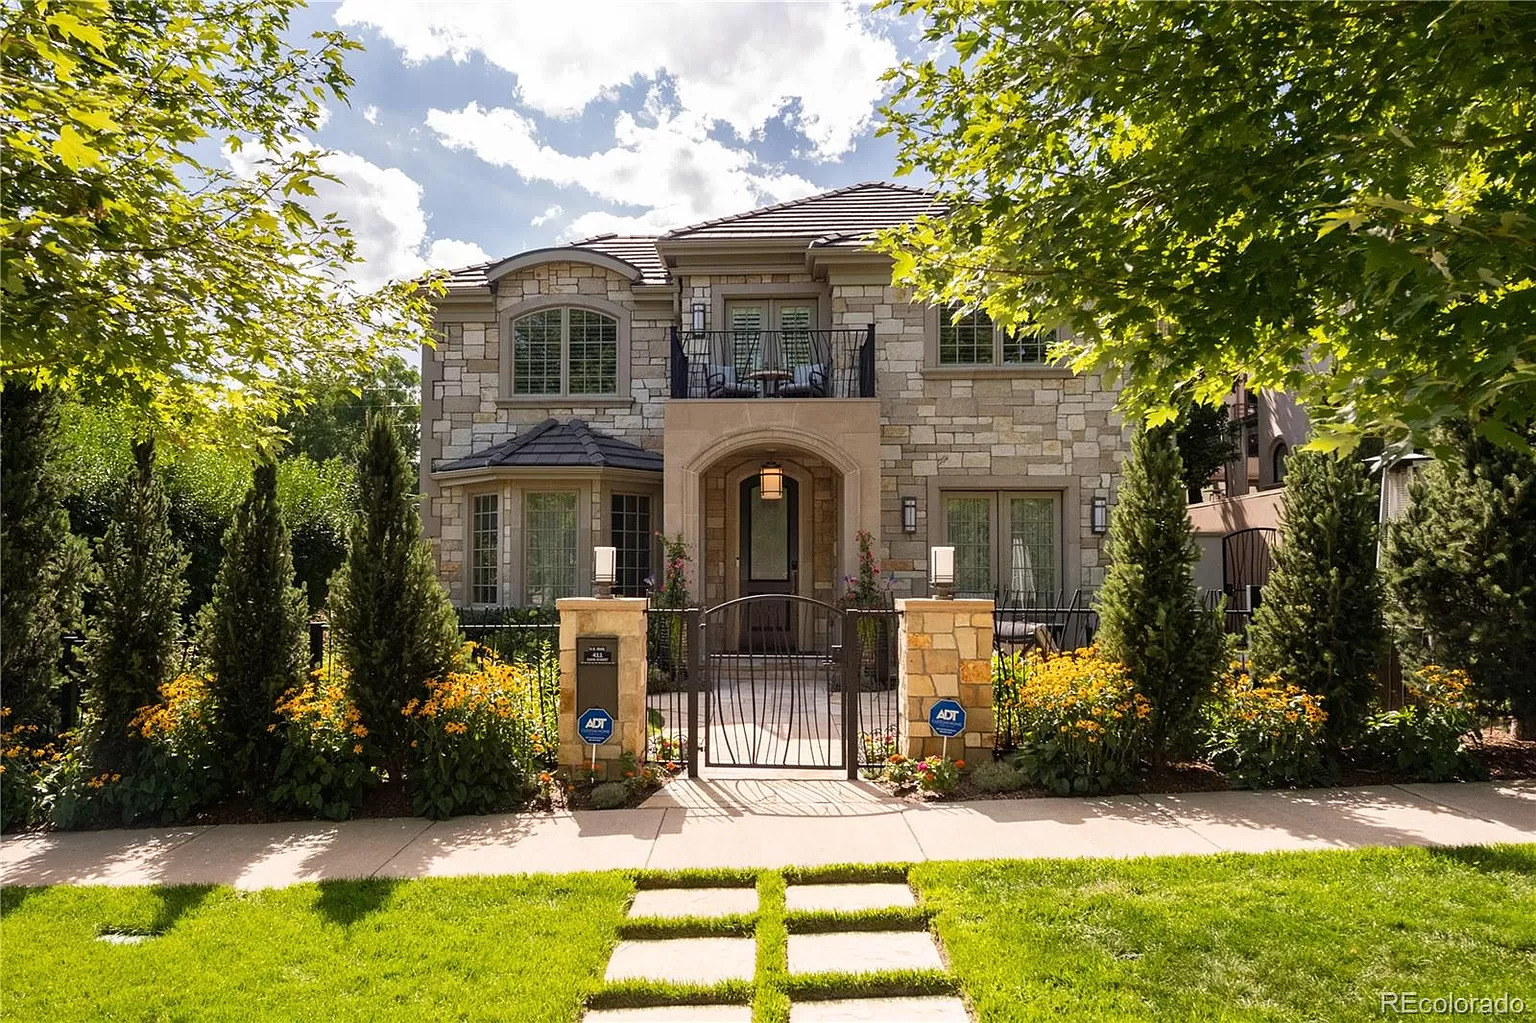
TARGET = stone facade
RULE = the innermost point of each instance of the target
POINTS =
(945, 652)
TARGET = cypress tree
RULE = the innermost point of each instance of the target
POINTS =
(1151, 617)
(1461, 568)
(1319, 626)
(132, 644)
(40, 562)
(253, 632)
(394, 624)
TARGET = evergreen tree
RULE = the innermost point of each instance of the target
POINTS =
(253, 633)
(40, 562)
(132, 644)
(394, 624)
(1151, 617)
(1206, 443)
(1461, 567)
(1319, 626)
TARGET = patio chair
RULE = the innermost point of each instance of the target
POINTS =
(809, 381)
(721, 382)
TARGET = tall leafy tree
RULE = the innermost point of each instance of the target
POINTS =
(1151, 616)
(331, 422)
(1333, 198)
(40, 562)
(1205, 443)
(142, 268)
(1320, 624)
(253, 633)
(393, 622)
(1461, 570)
(135, 628)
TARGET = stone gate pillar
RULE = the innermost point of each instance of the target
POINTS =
(623, 617)
(945, 650)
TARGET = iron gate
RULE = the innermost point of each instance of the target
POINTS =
(785, 681)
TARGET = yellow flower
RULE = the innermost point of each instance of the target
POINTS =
(357, 747)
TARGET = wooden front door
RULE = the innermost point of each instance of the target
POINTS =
(770, 563)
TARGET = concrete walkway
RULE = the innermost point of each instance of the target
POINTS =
(745, 823)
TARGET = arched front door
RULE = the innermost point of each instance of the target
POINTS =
(769, 562)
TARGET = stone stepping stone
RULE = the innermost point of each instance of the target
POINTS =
(800, 898)
(684, 960)
(863, 952)
(674, 1014)
(675, 902)
(928, 1009)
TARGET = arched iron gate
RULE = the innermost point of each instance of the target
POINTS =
(785, 681)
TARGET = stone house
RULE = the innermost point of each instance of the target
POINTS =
(757, 385)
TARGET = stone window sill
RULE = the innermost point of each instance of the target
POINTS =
(997, 372)
(564, 401)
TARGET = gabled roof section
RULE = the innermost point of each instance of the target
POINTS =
(553, 444)
(853, 212)
(636, 257)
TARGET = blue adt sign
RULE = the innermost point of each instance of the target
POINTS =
(947, 719)
(595, 726)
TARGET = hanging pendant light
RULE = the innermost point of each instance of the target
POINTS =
(771, 481)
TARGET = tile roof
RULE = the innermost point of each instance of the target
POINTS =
(553, 443)
(854, 211)
(638, 252)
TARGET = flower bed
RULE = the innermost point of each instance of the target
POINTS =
(1265, 735)
(1425, 739)
(324, 767)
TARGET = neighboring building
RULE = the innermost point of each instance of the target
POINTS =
(600, 392)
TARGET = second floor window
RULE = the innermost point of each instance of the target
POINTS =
(974, 340)
(565, 351)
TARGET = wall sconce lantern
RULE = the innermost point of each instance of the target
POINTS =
(604, 563)
(771, 481)
(941, 572)
(1099, 511)
(698, 317)
(909, 514)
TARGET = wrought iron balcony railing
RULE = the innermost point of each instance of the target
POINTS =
(774, 363)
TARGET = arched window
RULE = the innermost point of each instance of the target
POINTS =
(1278, 462)
(565, 351)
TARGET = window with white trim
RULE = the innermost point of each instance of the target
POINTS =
(974, 340)
(485, 550)
(549, 546)
(1005, 541)
(565, 351)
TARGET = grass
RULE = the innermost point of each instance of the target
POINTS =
(1295, 936)
(1285, 936)
(530, 948)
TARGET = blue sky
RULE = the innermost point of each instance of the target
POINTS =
(479, 129)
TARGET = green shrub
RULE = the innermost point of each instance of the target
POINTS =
(323, 767)
(1265, 736)
(476, 739)
(24, 760)
(1082, 725)
(1425, 738)
(1320, 625)
(610, 795)
(997, 776)
(1151, 618)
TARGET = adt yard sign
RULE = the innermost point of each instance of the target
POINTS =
(946, 718)
(595, 726)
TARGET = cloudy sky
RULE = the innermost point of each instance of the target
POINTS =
(479, 129)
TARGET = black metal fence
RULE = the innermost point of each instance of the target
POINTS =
(773, 363)
(1021, 620)
(670, 701)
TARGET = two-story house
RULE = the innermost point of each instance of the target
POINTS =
(757, 385)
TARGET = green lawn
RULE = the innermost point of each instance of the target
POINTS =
(1292, 936)
(1306, 936)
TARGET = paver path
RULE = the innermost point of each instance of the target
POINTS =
(793, 822)
(852, 953)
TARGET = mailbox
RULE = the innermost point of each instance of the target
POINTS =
(597, 673)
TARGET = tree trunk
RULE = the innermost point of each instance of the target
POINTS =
(1523, 728)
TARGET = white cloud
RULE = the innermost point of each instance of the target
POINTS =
(382, 206)
(548, 215)
(371, 114)
(668, 168)
(817, 65)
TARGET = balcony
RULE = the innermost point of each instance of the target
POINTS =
(774, 363)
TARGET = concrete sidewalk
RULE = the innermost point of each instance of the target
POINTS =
(744, 823)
